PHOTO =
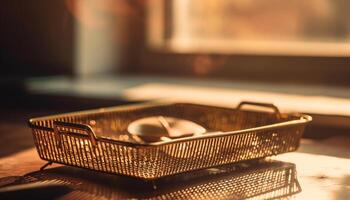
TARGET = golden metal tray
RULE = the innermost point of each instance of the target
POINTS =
(98, 139)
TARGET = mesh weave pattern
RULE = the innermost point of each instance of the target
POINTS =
(153, 161)
(263, 180)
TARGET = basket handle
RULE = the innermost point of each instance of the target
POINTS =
(57, 127)
(266, 105)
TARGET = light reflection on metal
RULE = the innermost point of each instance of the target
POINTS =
(233, 135)
(265, 179)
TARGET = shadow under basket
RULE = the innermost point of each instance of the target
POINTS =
(260, 179)
(98, 139)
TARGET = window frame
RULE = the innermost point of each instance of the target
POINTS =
(329, 69)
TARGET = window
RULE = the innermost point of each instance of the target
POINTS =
(313, 27)
(267, 27)
(262, 40)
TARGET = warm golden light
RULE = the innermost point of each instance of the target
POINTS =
(316, 27)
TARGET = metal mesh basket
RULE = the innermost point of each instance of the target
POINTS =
(98, 139)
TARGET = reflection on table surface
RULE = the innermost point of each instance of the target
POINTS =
(259, 179)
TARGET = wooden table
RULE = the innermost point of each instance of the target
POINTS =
(322, 167)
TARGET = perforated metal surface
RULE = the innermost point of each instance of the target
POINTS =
(263, 180)
(98, 139)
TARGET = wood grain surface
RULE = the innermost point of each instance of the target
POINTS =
(322, 166)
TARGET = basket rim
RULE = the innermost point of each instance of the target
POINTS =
(303, 119)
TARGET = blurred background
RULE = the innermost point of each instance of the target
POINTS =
(65, 55)
(237, 40)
